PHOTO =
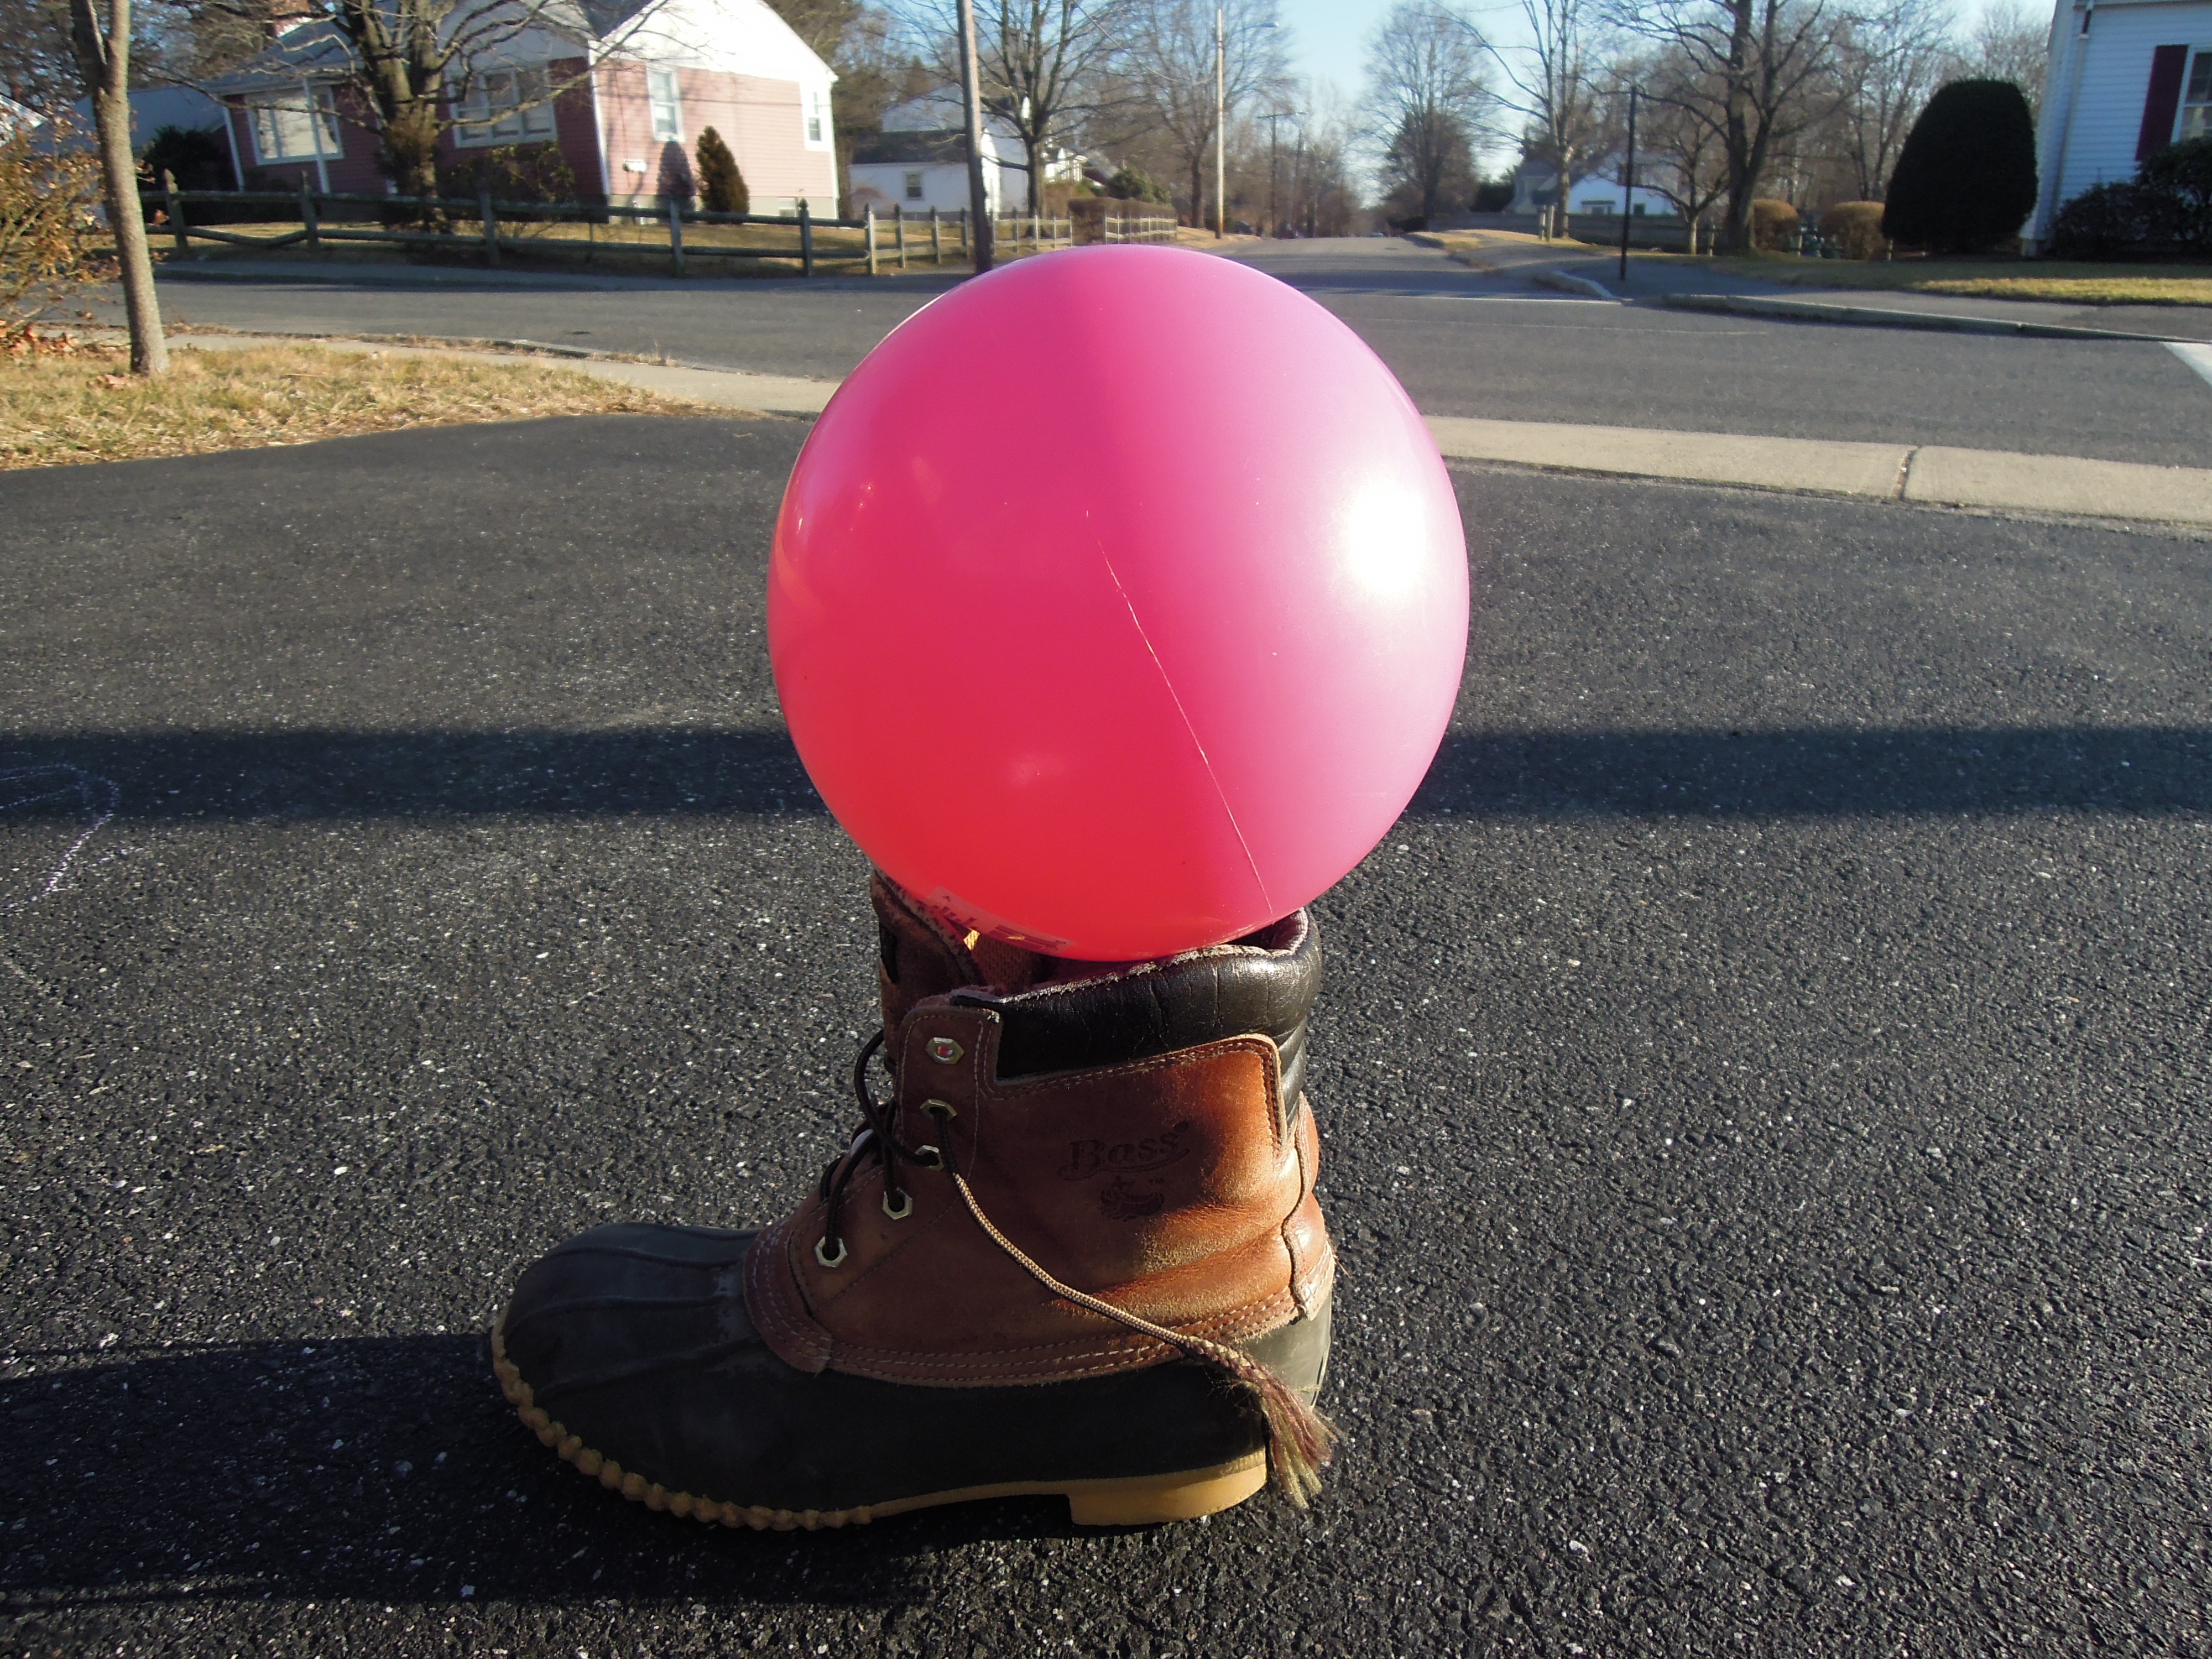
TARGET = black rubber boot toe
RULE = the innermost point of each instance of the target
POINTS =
(628, 1350)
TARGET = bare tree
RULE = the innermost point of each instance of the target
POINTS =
(1429, 101)
(1887, 63)
(1687, 161)
(1167, 69)
(100, 33)
(2010, 42)
(1315, 138)
(38, 64)
(1555, 89)
(1043, 63)
(417, 62)
(1767, 67)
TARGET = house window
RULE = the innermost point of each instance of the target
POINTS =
(2196, 100)
(302, 127)
(913, 187)
(667, 106)
(505, 106)
(817, 118)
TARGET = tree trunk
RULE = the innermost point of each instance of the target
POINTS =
(409, 148)
(1035, 146)
(104, 63)
(1736, 138)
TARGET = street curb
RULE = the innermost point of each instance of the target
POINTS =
(1924, 475)
(1816, 310)
(1567, 282)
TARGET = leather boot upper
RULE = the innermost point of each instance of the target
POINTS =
(1137, 1128)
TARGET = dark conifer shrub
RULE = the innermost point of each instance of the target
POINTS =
(721, 186)
(1965, 179)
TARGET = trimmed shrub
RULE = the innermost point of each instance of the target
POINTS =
(2164, 209)
(721, 186)
(1856, 229)
(2181, 175)
(1965, 179)
(2105, 222)
(1774, 225)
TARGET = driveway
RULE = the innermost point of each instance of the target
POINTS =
(1763, 1078)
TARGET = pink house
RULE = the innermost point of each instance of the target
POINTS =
(622, 90)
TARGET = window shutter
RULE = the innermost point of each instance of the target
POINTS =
(2163, 98)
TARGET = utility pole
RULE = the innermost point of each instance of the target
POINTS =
(971, 95)
(1220, 122)
(1628, 184)
(1274, 149)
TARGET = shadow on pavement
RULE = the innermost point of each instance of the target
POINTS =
(379, 1468)
(1810, 772)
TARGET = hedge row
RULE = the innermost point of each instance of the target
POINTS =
(2164, 210)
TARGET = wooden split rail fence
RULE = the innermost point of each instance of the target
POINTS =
(464, 224)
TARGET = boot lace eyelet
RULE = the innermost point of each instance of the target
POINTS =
(943, 1110)
(930, 1156)
(827, 1259)
(905, 1206)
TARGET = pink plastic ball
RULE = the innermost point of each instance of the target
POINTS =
(1119, 602)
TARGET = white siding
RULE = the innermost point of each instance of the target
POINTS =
(943, 186)
(2094, 102)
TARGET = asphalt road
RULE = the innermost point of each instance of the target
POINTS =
(1763, 1079)
(1462, 343)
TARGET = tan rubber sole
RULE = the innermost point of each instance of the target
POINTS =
(1141, 1501)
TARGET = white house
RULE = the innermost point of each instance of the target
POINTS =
(920, 170)
(2126, 77)
(1536, 187)
(920, 160)
(1600, 193)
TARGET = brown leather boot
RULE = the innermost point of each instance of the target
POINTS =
(1078, 1252)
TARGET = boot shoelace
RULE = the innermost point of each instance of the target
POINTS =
(1299, 1439)
(877, 1136)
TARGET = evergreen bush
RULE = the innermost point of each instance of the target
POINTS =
(2164, 209)
(196, 157)
(1135, 184)
(1965, 179)
(721, 186)
(2180, 175)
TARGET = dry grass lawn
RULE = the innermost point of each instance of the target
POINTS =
(59, 411)
(2068, 283)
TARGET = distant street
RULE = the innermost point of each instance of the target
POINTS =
(1463, 342)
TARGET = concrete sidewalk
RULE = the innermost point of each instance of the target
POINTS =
(1929, 475)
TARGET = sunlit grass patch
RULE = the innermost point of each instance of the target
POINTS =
(60, 409)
